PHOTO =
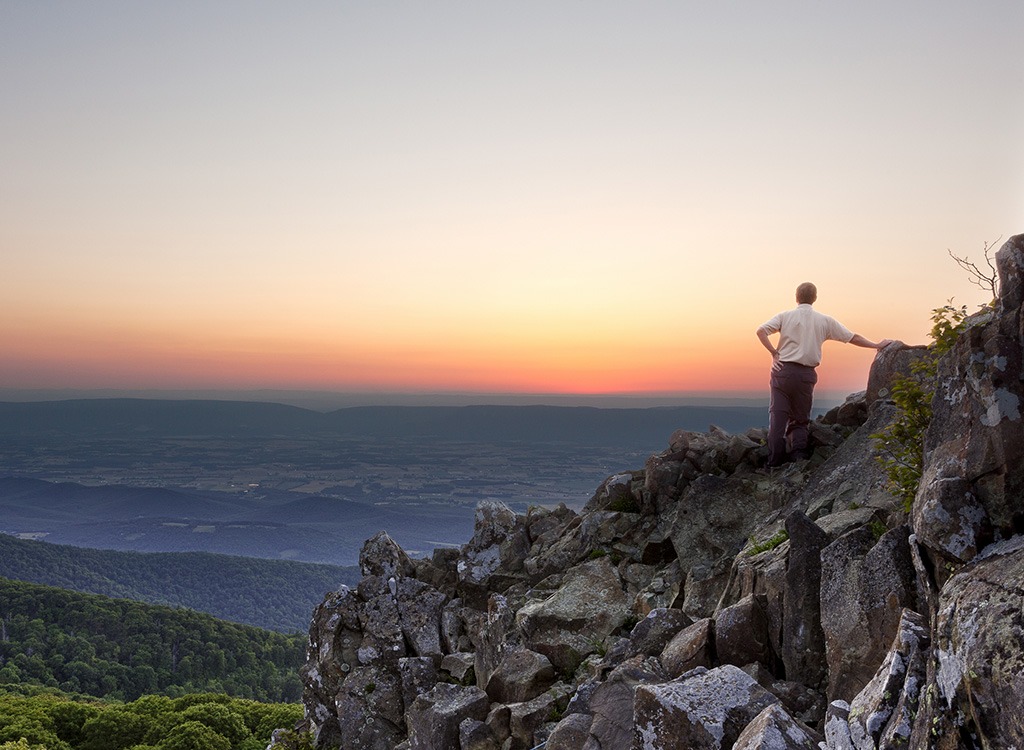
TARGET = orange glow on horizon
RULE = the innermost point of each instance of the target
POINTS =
(555, 363)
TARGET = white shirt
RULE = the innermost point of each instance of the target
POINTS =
(802, 331)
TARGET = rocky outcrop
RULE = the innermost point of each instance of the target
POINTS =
(703, 601)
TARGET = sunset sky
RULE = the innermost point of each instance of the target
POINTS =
(539, 197)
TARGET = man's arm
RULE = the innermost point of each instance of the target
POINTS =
(762, 336)
(859, 340)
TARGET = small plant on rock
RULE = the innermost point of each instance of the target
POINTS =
(770, 543)
(901, 444)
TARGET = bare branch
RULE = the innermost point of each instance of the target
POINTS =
(987, 281)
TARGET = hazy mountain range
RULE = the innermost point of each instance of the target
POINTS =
(283, 482)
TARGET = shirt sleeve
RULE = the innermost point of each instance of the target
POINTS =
(838, 332)
(774, 325)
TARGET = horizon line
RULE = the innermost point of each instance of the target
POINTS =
(321, 400)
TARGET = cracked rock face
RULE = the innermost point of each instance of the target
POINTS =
(978, 665)
(973, 476)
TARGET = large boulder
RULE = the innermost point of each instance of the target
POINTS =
(496, 553)
(573, 621)
(521, 676)
(865, 584)
(381, 556)
(852, 477)
(702, 709)
(612, 702)
(433, 719)
(692, 647)
(883, 712)
(895, 360)
(973, 474)
(774, 729)
(419, 615)
(977, 675)
(803, 640)
(741, 633)
(713, 520)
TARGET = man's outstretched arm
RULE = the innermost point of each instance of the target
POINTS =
(859, 340)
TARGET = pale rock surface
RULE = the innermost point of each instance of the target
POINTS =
(701, 710)
(774, 729)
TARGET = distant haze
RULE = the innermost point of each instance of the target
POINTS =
(327, 401)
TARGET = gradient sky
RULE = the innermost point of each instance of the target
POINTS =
(543, 197)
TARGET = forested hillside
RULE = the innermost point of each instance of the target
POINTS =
(192, 722)
(116, 648)
(273, 594)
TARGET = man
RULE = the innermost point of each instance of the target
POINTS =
(802, 331)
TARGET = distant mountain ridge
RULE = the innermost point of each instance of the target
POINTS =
(580, 424)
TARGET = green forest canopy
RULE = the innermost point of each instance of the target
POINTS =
(115, 648)
(37, 720)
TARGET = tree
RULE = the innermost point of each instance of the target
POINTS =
(987, 278)
(194, 735)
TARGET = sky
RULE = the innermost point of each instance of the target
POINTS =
(453, 197)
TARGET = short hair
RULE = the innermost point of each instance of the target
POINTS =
(806, 293)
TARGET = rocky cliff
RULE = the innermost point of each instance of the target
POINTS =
(703, 602)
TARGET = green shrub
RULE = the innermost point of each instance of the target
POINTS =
(901, 444)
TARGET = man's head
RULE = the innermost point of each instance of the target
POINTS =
(806, 293)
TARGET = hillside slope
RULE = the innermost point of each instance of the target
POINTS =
(272, 594)
(115, 648)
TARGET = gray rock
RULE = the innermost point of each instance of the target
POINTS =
(419, 613)
(369, 710)
(572, 622)
(692, 647)
(418, 675)
(702, 709)
(612, 702)
(882, 713)
(774, 729)
(616, 494)
(380, 622)
(977, 680)
(864, 587)
(973, 474)
(801, 702)
(572, 733)
(498, 722)
(741, 633)
(895, 360)
(460, 666)
(656, 630)
(527, 718)
(837, 726)
(803, 641)
(521, 676)
(476, 735)
(762, 574)
(495, 634)
(852, 476)
(433, 719)
(496, 553)
(381, 556)
(713, 520)
(334, 639)
(452, 628)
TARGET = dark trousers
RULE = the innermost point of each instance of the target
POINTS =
(789, 412)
